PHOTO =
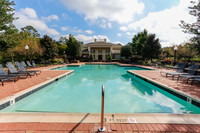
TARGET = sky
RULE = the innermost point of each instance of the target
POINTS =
(116, 20)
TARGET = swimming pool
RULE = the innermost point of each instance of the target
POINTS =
(80, 92)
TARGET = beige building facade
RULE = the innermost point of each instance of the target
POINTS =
(100, 50)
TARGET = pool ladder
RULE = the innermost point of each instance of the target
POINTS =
(102, 128)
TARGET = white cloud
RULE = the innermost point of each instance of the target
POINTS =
(128, 33)
(123, 28)
(86, 39)
(119, 34)
(65, 16)
(65, 28)
(28, 16)
(121, 11)
(165, 24)
(28, 12)
(89, 31)
(51, 17)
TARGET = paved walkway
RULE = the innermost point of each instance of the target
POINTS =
(11, 88)
(93, 128)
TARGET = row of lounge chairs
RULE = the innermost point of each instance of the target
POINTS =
(14, 74)
(180, 74)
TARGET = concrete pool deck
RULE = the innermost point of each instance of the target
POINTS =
(76, 122)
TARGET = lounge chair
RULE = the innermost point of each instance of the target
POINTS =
(5, 76)
(195, 79)
(2, 79)
(29, 64)
(31, 72)
(33, 63)
(176, 66)
(13, 70)
(190, 74)
(172, 73)
(3, 73)
(24, 64)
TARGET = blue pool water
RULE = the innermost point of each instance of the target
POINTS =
(80, 92)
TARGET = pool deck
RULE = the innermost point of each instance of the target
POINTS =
(81, 123)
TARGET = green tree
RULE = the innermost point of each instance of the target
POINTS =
(193, 28)
(186, 51)
(29, 31)
(8, 32)
(151, 48)
(6, 17)
(138, 42)
(49, 47)
(62, 48)
(126, 51)
(73, 47)
(34, 50)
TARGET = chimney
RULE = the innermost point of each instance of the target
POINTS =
(105, 40)
(95, 40)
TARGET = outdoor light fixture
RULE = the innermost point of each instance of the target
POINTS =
(175, 48)
(26, 47)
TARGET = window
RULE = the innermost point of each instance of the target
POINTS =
(92, 51)
(100, 51)
(107, 51)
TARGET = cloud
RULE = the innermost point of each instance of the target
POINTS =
(165, 24)
(89, 31)
(106, 11)
(76, 30)
(123, 28)
(51, 17)
(119, 34)
(28, 16)
(86, 39)
(65, 28)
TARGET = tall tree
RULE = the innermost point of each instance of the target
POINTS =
(73, 47)
(193, 28)
(138, 42)
(34, 49)
(8, 32)
(30, 31)
(151, 48)
(126, 51)
(186, 51)
(49, 47)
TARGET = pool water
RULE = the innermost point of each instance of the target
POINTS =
(80, 92)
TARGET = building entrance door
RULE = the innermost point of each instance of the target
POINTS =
(99, 57)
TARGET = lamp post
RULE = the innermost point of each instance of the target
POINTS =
(175, 49)
(26, 47)
(64, 56)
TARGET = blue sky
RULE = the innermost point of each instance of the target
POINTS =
(116, 20)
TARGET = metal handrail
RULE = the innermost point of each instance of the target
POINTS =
(102, 128)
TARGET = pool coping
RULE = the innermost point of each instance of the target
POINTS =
(95, 118)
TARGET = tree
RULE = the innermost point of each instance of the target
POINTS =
(193, 28)
(151, 48)
(29, 31)
(73, 47)
(34, 50)
(186, 51)
(138, 42)
(126, 51)
(8, 32)
(49, 47)
(6, 17)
